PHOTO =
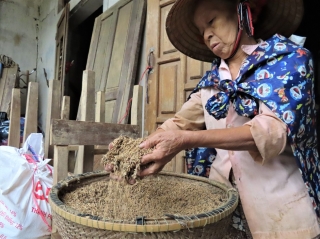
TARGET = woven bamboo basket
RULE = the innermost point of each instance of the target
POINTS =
(74, 224)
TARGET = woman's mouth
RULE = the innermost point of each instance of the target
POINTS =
(214, 46)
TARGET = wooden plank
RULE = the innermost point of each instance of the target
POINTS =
(86, 154)
(99, 150)
(53, 112)
(136, 108)
(9, 82)
(105, 45)
(65, 114)
(71, 132)
(65, 109)
(94, 53)
(15, 112)
(61, 47)
(130, 61)
(73, 147)
(64, 87)
(6, 98)
(31, 122)
(84, 157)
(87, 100)
(114, 48)
(100, 107)
(60, 163)
(88, 96)
(100, 117)
(94, 43)
(3, 83)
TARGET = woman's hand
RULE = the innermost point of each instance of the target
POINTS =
(109, 167)
(166, 145)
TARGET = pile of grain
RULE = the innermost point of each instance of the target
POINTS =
(125, 156)
(152, 197)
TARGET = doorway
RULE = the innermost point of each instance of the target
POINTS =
(81, 23)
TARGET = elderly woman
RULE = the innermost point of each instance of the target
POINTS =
(254, 111)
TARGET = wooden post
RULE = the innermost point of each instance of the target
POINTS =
(84, 161)
(60, 163)
(31, 121)
(100, 107)
(65, 114)
(7, 83)
(136, 109)
(53, 112)
(15, 112)
(65, 109)
(100, 117)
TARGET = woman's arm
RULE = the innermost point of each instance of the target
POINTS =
(264, 137)
(234, 139)
(167, 144)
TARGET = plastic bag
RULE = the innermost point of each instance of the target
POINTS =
(4, 131)
(25, 183)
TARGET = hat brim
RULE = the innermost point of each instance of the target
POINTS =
(277, 17)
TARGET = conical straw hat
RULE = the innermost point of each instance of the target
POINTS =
(277, 16)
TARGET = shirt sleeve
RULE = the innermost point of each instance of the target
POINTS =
(190, 116)
(269, 133)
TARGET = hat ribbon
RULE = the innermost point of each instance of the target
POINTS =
(244, 22)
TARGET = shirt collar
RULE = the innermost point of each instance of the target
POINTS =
(248, 49)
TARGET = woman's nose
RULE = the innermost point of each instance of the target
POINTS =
(208, 35)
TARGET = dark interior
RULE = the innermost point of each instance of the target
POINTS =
(310, 28)
(78, 49)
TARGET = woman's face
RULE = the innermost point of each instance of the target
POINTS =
(217, 22)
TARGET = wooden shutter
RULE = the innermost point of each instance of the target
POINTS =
(114, 53)
(173, 78)
(61, 47)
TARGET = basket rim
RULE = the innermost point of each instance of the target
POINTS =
(223, 211)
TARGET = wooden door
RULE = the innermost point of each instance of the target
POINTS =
(61, 47)
(114, 54)
(173, 78)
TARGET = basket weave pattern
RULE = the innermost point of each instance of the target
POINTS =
(69, 229)
(72, 224)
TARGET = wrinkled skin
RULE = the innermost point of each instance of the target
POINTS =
(217, 23)
(167, 144)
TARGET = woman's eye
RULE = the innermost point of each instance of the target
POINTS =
(211, 21)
